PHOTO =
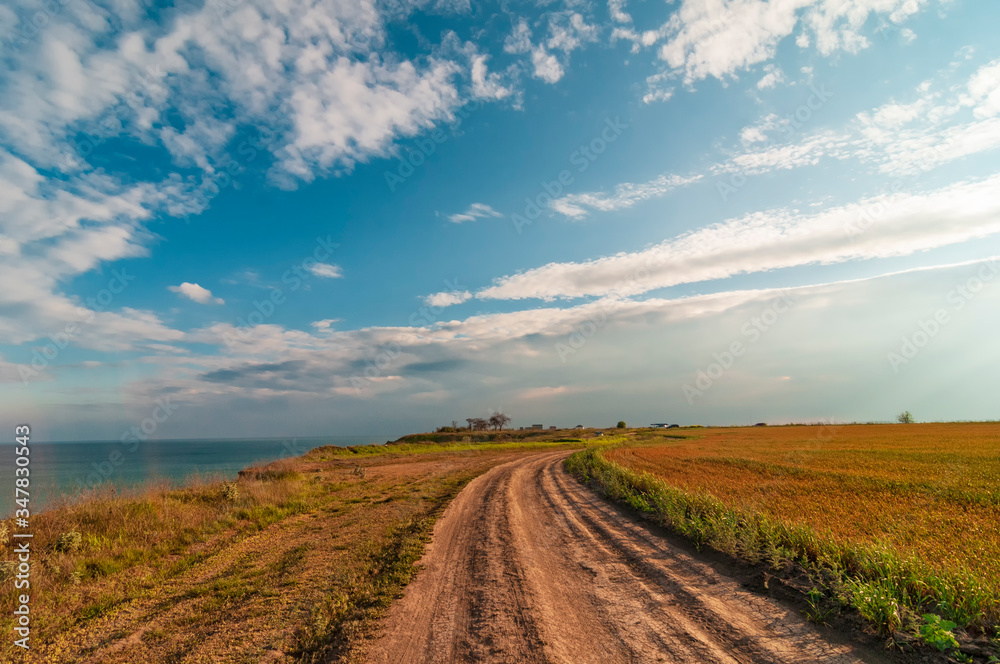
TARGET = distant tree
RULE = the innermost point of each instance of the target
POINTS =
(498, 421)
(471, 421)
(905, 417)
(622, 425)
(479, 424)
(454, 424)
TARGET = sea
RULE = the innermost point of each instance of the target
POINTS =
(60, 470)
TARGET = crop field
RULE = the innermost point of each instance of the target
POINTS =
(909, 514)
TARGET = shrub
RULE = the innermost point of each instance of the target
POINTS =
(230, 491)
(7, 569)
(622, 425)
(69, 542)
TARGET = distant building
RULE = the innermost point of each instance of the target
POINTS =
(553, 428)
(660, 425)
(537, 426)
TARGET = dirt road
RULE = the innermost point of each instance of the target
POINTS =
(527, 565)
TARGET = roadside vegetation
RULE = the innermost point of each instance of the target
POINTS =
(294, 561)
(899, 524)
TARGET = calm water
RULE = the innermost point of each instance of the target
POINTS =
(65, 468)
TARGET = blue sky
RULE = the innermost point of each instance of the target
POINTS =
(321, 217)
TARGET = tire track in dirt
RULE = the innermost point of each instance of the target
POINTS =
(527, 565)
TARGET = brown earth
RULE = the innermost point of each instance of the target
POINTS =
(527, 565)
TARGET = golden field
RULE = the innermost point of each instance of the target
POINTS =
(928, 489)
(898, 523)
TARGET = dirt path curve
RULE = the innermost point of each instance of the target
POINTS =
(527, 565)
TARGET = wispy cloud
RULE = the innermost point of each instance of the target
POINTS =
(325, 270)
(625, 195)
(895, 138)
(473, 212)
(905, 224)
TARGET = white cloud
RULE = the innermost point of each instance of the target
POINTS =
(325, 325)
(326, 271)
(357, 109)
(616, 8)
(487, 85)
(984, 90)
(568, 31)
(447, 298)
(546, 65)
(904, 224)
(519, 40)
(711, 38)
(772, 77)
(657, 88)
(625, 196)
(473, 212)
(196, 293)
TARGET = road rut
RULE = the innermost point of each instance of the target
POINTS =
(528, 565)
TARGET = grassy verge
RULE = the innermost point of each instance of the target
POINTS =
(340, 625)
(892, 592)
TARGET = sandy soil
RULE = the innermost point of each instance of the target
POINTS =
(527, 565)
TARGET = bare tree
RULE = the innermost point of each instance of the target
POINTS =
(478, 424)
(498, 421)
(471, 421)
